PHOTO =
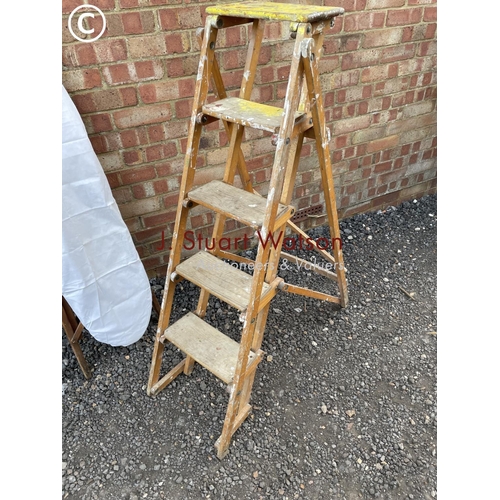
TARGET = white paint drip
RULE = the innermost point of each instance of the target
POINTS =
(202, 62)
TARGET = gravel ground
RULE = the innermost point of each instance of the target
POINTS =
(344, 403)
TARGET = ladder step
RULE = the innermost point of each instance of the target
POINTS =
(208, 346)
(249, 114)
(238, 204)
(220, 279)
(275, 11)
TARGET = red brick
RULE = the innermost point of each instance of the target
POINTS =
(378, 38)
(108, 99)
(122, 195)
(430, 14)
(98, 144)
(96, 23)
(119, 73)
(129, 138)
(377, 90)
(69, 5)
(132, 157)
(387, 154)
(110, 50)
(148, 93)
(176, 43)
(156, 133)
(129, 4)
(143, 115)
(84, 103)
(234, 59)
(348, 5)
(411, 123)
(161, 151)
(180, 18)
(144, 69)
(139, 207)
(232, 80)
(81, 79)
(383, 143)
(403, 16)
(155, 263)
(186, 87)
(129, 96)
(85, 54)
(171, 168)
(386, 200)
(132, 23)
(147, 46)
(349, 43)
(161, 186)
(150, 234)
(139, 191)
(171, 200)
(408, 34)
(235, 36)
(135, 175)
(428, 48)
(160, 219)
(104, 4)
(175, 67)
(101, 123)
(183, 108)
(397, 53)
(430, 31)
(265, 55)
(361, 58)
(265, 75)
(383, 4)
(113, 180)
(363, 21)
(352, 124)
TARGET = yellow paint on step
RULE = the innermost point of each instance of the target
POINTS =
(272, 11)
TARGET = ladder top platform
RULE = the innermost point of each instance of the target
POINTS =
(273, 11)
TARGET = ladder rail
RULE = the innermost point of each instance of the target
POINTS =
(207, 55)
(263, 252)
(309, 50)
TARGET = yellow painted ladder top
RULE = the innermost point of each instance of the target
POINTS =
(274, 11)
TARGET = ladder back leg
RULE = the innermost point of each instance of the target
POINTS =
(314, 89)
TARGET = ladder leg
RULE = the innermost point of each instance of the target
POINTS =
(314, 89)
(207, 55)
(275, 191)
(239, 406)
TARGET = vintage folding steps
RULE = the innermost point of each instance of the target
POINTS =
(302, 116)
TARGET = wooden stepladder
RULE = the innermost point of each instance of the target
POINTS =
(302, 116)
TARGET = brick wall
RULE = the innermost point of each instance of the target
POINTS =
(134, 88)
